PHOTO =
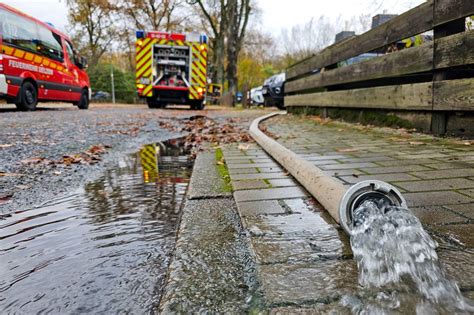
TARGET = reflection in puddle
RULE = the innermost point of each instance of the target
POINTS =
(103, 249)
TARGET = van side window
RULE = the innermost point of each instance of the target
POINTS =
(49, 44)
(17, 31)
(70, 52)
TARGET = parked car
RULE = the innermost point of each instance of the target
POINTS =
(100, 96)
(256, 96)
(273, 90)
(238, 97)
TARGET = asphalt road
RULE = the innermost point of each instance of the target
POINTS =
(58, 148)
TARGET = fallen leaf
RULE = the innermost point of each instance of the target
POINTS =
(5, 198)
(347, 150)
(243, 147)
(9, 174)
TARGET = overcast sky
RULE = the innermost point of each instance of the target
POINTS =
(275, 14)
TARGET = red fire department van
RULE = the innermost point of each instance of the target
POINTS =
(38, 63)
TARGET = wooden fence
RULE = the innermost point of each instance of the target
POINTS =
(434, 79)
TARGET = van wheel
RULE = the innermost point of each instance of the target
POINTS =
(28, 98)
(84, 100)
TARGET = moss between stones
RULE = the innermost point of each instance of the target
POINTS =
(223, 171)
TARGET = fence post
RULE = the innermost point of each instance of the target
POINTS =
(439, 120)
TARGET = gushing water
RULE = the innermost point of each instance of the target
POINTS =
(395, 255)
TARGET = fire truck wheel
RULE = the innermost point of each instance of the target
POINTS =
(152, 103)
(84, 100)
(197, 105)
(28, 98)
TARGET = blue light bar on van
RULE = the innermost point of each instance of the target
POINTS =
(203, 39)
(140, 34)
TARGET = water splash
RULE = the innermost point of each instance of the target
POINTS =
(395, 255)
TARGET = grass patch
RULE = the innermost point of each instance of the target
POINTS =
(266, 181)
(223, 171)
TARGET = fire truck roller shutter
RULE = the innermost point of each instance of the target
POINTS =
(144, 55)
(198, 71)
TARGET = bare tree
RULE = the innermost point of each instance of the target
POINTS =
(154, 14)
(238, 13)
(215, 21)
(94, 25)
(227, 21)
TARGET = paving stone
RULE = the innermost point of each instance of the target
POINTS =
(259, 176)
(247, 165)
(324, 157)
(268, 194)
(367, 159)
(392, 177)
(465, 172)
(270, 169)
(236, 171)
(458, 233)
(344, 172)
(257, 208)
(206, 181)
(436, 215)
(437, 198)
(325, 162)
(265, 160)
(436, 184)
(301, 224)
(467, 192)
(347, 166)
(238, 161)
(249, 184)
(394, 169)
(406, 162)
(285, 182)
(448, 166)
(270, 250)
(402, 155)
(457, 264)
(308, 283)
(465, 209)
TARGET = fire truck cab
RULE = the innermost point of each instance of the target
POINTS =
(171, 68)
(38, 63)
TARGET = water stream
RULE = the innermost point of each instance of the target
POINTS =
(397, 259)
(103, 249)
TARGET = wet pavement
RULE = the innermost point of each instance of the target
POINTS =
(304, 259)
(104, 248)
(56, 131)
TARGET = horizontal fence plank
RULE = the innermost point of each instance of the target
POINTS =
(417, 96)
(450, 10)
(454, 50)
(408, 61)
(454, 95)
(412, 22)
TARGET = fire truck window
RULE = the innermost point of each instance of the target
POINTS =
(49, 44)
(18, 31)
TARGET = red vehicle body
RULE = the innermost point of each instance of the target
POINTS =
(38, 63)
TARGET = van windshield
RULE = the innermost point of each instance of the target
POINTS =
(27, 35)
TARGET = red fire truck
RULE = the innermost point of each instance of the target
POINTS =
(38, 63)
(171, 68)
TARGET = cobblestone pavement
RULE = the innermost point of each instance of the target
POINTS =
(303, 257)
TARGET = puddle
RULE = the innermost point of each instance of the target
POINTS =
(103, 249)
